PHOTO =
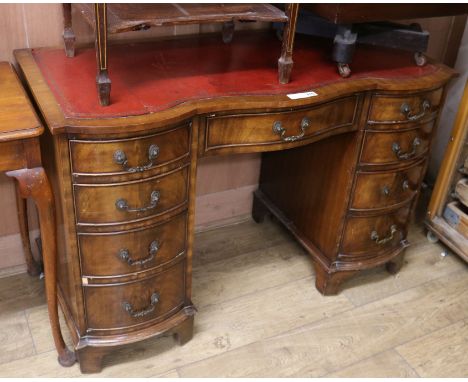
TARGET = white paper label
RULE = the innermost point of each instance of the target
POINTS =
(302, 95)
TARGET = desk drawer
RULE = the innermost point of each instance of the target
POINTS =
(365, 236)
(118, 306)
(273, 128)
(386, 189)
(396, 147)
(130, 201)
(122, 253)
(140, 154)
(400, 109)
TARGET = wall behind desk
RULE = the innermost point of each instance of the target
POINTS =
(224, 184)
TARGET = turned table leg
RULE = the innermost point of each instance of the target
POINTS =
(285, 62)
(103, 82)
(34, 268)
(68, 34)
(34, 183)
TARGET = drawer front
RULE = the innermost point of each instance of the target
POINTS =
(129, 155)
(386, 189)
(404, 109)
(274, 128)
(116, 306)
(119, 254)
(125, 202)
(396, 147)
(365, 236)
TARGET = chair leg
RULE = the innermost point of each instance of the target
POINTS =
(103, 82)
(35, 184)
(34, 268)
(285, 62)
(68, 34)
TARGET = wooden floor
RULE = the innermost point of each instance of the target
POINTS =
(260, 315)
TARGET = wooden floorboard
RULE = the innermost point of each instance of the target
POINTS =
(443, 353)
(260, 315)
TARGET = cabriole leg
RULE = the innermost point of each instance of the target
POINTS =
(35, 184)
(34, 268)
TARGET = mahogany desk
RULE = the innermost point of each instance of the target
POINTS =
(20, 158)
(341, 167)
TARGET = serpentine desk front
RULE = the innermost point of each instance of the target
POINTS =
(342, 165)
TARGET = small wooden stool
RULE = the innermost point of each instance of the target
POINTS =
(20, 158)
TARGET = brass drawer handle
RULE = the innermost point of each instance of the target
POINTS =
(122, 204)
(121, 158)
(141, 313)
(386, 190)
(375, 236)
(406, 110)
(281, 131)
(396, 148)
(124, 255)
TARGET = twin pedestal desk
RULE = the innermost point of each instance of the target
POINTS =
(342, 165)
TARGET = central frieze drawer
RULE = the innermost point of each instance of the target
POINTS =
(130, 201)
(131, 155)
(117, 306)
(369, 235)
(272, 128)
(376, 190)
(122, 253)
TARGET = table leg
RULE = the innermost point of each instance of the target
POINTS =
(103, 82)
(34, 268)
(35, 184)
(285, 62)
(68, 34)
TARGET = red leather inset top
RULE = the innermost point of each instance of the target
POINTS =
(153, 76)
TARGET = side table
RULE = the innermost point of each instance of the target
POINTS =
(20, 159)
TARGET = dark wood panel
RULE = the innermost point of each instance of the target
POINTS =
(316, 204)
(360, 13)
